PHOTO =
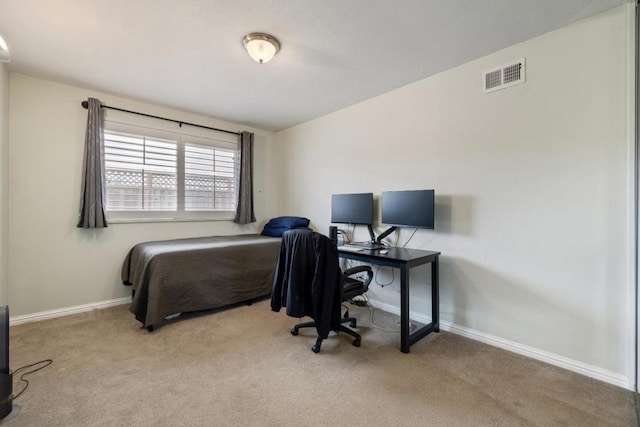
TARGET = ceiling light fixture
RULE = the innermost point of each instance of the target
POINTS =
(261, 47)
(4, 51)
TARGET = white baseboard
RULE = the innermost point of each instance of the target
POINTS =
(534, 353)
(52, 314)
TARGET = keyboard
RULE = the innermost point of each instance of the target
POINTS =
(350, 248)
(372, 246)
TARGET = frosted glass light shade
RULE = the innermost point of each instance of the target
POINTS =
(260, 47)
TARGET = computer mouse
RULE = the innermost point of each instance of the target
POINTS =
(384, 251)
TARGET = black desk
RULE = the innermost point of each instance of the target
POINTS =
(405, 259)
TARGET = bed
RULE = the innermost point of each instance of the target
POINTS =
(178, 276)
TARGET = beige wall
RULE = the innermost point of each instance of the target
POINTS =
(4, 180)
(533, 190)
(53, 264)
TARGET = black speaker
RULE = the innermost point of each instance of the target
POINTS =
(6, 376)
(333, 234)
(4, 339)
(6, 394)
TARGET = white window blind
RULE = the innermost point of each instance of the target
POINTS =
(158, 175)
(209, 178)
(141, 173)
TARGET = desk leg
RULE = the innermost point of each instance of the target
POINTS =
(404, 309)
(435, 295)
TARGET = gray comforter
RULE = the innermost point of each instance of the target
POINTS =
(176, 276)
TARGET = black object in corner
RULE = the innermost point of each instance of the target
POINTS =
(6, 376)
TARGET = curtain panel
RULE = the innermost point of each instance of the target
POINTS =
(244, 210)
(92, 195)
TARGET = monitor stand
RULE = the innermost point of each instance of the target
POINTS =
(385, 234)
(372, 244)
(371, 233)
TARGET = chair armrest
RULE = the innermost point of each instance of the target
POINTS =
(360, 269)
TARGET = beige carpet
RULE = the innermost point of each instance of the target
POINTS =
(242, 367)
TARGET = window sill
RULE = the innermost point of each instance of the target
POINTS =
(153, 220)
(158, 219)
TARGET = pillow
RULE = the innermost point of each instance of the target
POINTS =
(288, 222)
(278, 231)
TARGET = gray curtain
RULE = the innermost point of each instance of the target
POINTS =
(244, 210)
(92, 196)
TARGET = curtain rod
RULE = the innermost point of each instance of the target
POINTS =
(85, 105)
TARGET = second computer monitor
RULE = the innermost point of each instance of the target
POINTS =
(414, 208)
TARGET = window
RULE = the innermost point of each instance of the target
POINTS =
(141, 173)
(158, 175)
(209, 178)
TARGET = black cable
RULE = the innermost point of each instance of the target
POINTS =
(22, 377)
(382, 285)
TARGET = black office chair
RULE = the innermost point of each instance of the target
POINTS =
(309, 282)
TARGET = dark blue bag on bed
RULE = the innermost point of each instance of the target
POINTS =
(276, 226)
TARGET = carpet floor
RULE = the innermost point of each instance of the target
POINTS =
(242, 367)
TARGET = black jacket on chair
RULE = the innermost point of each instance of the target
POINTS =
(308, 280)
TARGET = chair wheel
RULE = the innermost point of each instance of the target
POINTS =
(294, 331)
(356, 342)
(316, 346)
(353, 324)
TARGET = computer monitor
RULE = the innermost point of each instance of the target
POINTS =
(414, 208)
(355, 208)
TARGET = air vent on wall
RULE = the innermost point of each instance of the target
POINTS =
(503, 77)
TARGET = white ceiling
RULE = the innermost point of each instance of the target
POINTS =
(187, 54)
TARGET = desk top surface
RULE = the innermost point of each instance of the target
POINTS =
(399, 255)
